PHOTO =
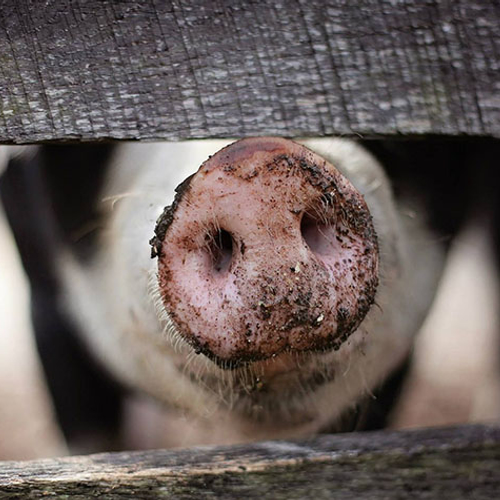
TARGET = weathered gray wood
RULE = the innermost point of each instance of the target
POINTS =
(94, 69)
(457, 463)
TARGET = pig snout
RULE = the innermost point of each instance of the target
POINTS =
(267, 248)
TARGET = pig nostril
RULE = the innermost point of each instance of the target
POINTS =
(318, 235)
(221, 250)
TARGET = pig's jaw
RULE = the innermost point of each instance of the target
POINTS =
(266, 250)
(282, 394)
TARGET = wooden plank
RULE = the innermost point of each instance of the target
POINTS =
(459, 463)
(94, 69)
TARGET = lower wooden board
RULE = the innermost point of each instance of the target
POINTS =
(456, 463)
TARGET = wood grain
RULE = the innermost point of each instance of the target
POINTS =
(459, 463)
(100, 69)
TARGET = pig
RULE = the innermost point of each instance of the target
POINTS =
(260, 288)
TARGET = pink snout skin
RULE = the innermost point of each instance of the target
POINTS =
(267, 249)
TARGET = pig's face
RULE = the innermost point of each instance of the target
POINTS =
(259, 301)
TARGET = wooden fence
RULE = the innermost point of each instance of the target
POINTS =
(81, 70)
(151, 69)
(454, 463)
